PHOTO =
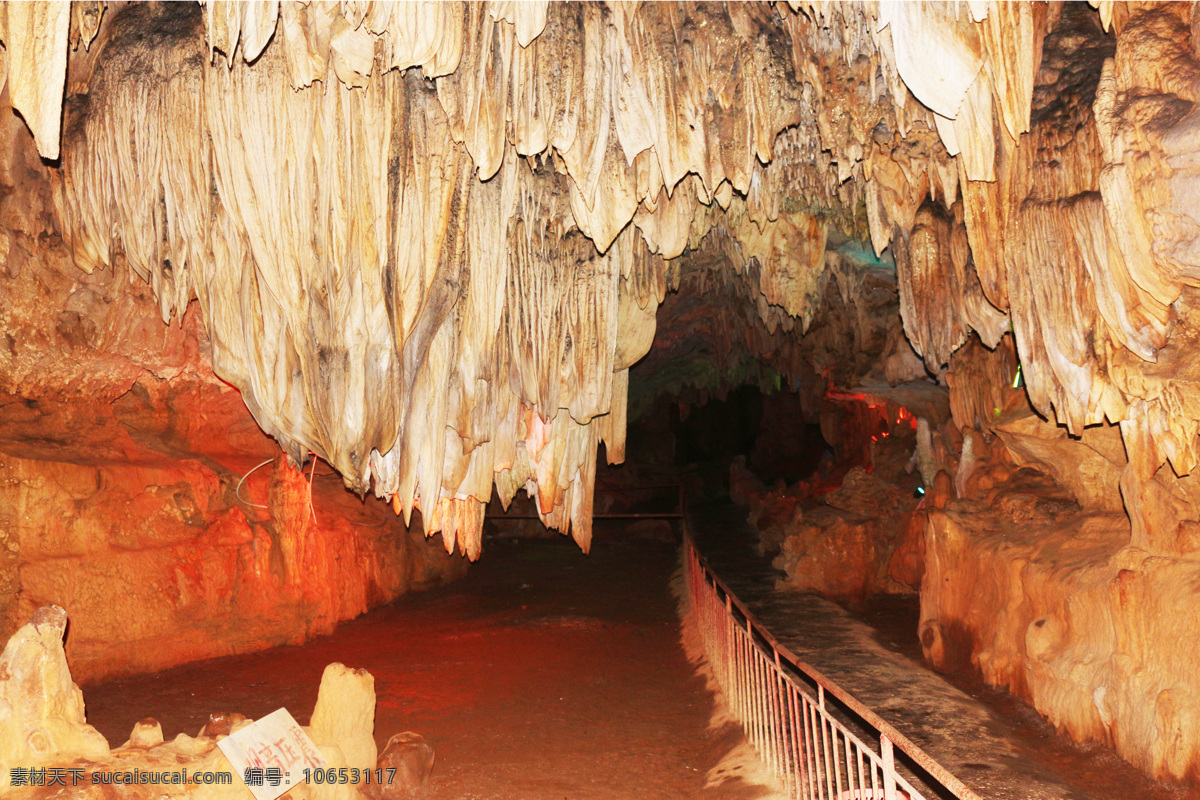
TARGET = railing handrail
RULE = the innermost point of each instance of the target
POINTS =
(897, 739)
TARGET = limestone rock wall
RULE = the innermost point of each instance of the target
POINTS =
(862, 539)
(121, 455)
(164, 565)
(1035, 579)
(1054, 605)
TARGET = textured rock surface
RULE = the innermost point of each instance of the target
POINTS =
(121, 465)
(409, 303)
(42, 725)
(165, 566)
(862, 539)
(1056, 606)
(1035, 578)
(1013, 170)
(41, 709)
(412, 759)
(854, 527)
(345, 714)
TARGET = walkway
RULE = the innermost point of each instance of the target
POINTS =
(1000, 749)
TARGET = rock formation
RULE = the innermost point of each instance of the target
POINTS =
(426, 242)
(410, 324)
(136, 490)
(392, 216)
(41, 709)
(412, 759)
(42, 727)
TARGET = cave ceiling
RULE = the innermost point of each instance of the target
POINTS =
(428, 240)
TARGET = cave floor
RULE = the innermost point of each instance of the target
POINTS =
(993, 742)
(543, 674)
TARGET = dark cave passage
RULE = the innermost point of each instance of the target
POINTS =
(705, 433)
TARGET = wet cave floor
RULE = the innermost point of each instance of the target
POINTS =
(545, 673)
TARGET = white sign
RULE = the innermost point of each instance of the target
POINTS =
(272, 754)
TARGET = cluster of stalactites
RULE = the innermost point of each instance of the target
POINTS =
(373, 248)
(434, 284)
(1078, 234)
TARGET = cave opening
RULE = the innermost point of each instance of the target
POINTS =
(703, 434)
(536, 400)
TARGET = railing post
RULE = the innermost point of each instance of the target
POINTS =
(889, 767)
(783, 710)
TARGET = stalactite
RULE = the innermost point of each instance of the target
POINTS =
(429, 241)
(443, 263)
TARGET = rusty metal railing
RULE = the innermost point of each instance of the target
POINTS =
(804, 743)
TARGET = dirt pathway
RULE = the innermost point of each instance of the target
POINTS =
(544, 674)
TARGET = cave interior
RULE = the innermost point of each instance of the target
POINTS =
(311, 311)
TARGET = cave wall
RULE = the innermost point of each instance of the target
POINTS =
(1048, 601)
(160, 565)
(1035, 579)
(120, 458)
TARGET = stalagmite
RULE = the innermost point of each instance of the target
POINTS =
(41, 709)
(42, 726)
(345, 714)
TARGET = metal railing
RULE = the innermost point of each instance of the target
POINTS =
(814, 754)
